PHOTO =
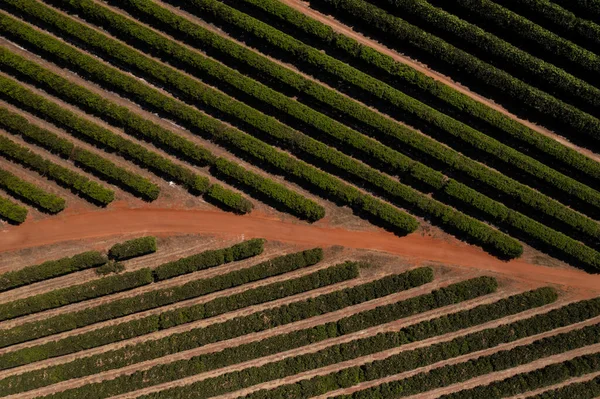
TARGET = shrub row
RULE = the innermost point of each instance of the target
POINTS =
(234, 355)
(490, 48)
(447, 129)
(447, 375)
(376, 152)
(70, 321)
(77, 183)
(217, 332)
(110, 267)
(30, 193)
(50, 269)
(544, 12)
(519, 30)
(90, 161)
(168, 319)
(133, 248)
(74, 294)
(280, 369)
(229, 199)
(248, 146)
(261, 321)
(526, 96)
(582, 390)
(589, 9)
(12, 212)
(549, 375)
(207, 259)
(25, 98)
(121, 116)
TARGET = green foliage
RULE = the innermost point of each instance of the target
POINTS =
(582, 390)
(557, 19)
(490, 48)
(133, 248)
(447, 375)
(79, 184)
(589, 9)
(110, 268)
(90, 161)
(217, 306)
(50, 269)
(536, 101)
(12, 212)
(126, 306)
(30, 193)
(132, 354)
(231, 381)
(228, 199)
(73, 294)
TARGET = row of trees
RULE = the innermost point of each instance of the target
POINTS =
(581, 31)
(73, 294)
(248, 146)
(507, 86)
(447, 375)
(582, 390)
(228, 382)
(94, 163)
(147, 350)
(444, 127)
(69, 321)
(11, 211)
(384, 67)
(524, 33)
(168, 319)
(50, 269)
(77, 183)
(30, 193)
(491, 48)
(133, 248)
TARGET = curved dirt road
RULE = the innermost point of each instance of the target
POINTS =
(159, 221)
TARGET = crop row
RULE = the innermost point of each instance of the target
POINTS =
(371, 61)
(79, 184)
(30, 193)
(295, 312)
(445, 128)
(168, 319)
(554, 17)
(246, 145)
(12, 212)
(276, 344)
(50, 269)
(239, 326)
(70, 321)
(96, 164)
(589, 9)
(582, 390)
(517, 29)
(521, 383)
(527, 97)
(74, 294)
(447, 375)
(490, 48)
(133, 248)
(349, 139)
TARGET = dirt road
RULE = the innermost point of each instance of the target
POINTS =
(159, 221)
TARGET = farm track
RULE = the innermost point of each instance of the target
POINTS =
(180, 328)
(215, 347)
(338, 26)
(149, 220)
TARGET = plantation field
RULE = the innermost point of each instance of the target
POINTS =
(299, 199)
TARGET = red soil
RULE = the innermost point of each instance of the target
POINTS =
(94, 225)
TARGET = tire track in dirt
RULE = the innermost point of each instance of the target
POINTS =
(339, 27)
(247, 338)
(183, 327)
(161, 222)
